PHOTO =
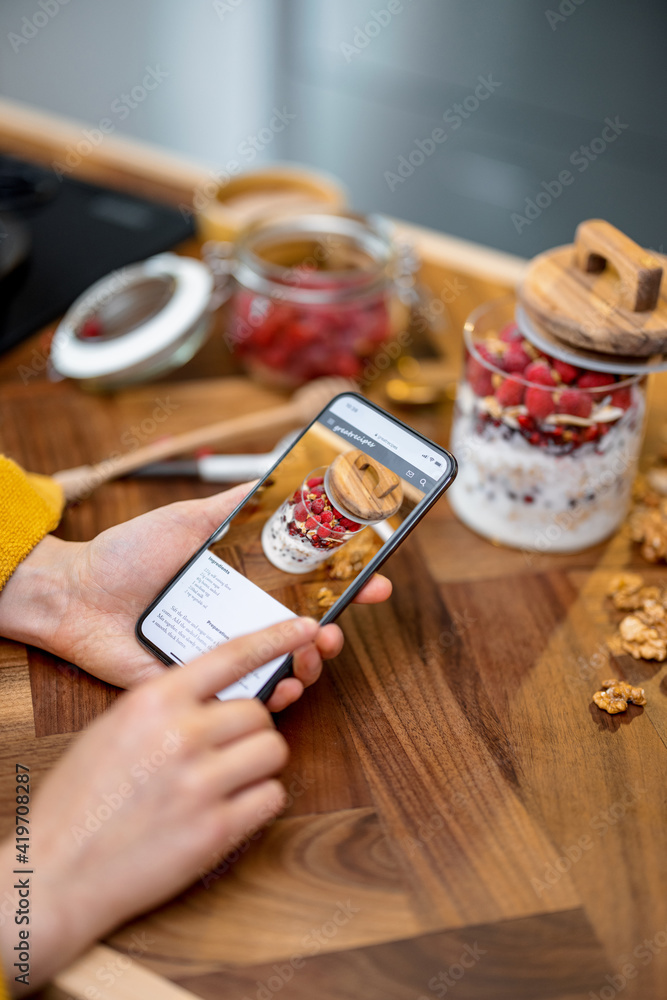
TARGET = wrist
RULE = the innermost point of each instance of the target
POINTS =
(36, 596)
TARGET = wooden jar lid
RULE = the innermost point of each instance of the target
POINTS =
(362, 487)
(603, 293)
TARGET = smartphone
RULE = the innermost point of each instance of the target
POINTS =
(304, 541)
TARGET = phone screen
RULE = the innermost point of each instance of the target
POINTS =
(303, 537)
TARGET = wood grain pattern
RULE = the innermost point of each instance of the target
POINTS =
(40, 755)
(450, 762)
(586, 309)
(365, 488)
(116, 975)
(552, 957)
(443, 773)
(302, 874)
(598, 244)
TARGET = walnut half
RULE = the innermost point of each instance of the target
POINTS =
(616, 695)
(642, 634)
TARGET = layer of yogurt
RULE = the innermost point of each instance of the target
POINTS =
(521, 495)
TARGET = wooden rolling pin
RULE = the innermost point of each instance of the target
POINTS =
(305, 404)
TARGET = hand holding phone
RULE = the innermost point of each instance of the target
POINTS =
(304, 541)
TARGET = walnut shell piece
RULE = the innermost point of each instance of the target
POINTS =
(648, 526)
(616, 695)
(642, 634)
(325, 598)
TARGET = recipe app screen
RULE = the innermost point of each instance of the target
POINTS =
(300, 540)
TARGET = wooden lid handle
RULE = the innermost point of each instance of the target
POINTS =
(363, 488)
(597, 243)
(382, 486)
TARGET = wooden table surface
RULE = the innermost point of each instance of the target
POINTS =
(463, 820)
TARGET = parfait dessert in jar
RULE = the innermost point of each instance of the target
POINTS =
(549, 417)
(547, 450)
(331, 505)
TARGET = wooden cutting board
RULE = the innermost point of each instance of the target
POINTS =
(447, 763)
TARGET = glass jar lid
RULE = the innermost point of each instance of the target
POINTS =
(132, 318)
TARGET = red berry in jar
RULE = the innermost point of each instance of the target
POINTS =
(539, 402)
(595, 380)
(621, 398)
(568, 373)
(510, 334)
(479, 376)
(575, 402)
(539, 373)
(516, 359)
(510, 392)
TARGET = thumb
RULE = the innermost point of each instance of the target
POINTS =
(205, 515)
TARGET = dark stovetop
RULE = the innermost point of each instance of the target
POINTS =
(58, 236)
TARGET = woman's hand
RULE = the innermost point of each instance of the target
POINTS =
(81, 600)
(159, 788)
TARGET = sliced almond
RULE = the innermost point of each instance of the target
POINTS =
(496, 345)
(492, 407)
(607, 414)
(568, 418)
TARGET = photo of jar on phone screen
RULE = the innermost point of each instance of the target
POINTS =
(324, 512)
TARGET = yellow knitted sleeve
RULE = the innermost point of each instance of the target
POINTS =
(30, 507)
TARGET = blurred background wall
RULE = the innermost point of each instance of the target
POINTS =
(544, 111)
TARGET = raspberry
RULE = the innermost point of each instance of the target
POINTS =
(317, 506)
(337, 513)
(510, 392)
(479, 378)
(622, 398)
(314, 481)
(296, 497)
(510, 334)
(539, 403)
(323, 532)
(594, 380)
(301, 512)
(349, 525)
(516, 359)
(539, 373)
(311, 524)
(327, 516)
(568, 373)
(576, 403)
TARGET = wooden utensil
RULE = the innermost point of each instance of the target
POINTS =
(362, 487)
(601, 294)
(306, 402)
